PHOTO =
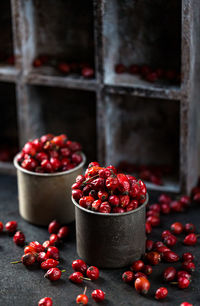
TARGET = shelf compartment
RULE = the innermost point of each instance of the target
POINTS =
(62, 32)
(139, 32)
(58, 110)
(141, 133)
(8, 124)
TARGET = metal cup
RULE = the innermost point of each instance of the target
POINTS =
(46, 196)
(110, 240)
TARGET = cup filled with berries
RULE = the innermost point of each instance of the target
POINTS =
(46, 168)
(110, 210)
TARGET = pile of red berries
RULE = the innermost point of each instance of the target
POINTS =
(65, 67)
(162, 250)
(106, 191)
(148, 73)
(49, 154)
(11, 229)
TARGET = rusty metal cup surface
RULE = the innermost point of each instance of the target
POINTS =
(46, 196)
(110, 240)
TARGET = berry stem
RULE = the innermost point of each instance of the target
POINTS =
(91, 178)
(16, 262)
(63, 271)
(85, 278)
(84, 292)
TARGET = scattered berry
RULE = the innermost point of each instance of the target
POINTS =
(46, 301)
(142, 285)
(19, 238)
(98, 295)
(161, 293)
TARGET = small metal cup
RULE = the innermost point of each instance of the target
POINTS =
(110, 240)
(46, 196)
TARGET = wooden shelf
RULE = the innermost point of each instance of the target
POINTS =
(105, 33)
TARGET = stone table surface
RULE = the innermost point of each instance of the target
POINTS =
(22, 286)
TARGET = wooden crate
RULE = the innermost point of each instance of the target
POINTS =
(117, 117)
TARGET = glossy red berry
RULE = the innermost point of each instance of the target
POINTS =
(54, 239)
(151, 77)
(186, 304)
(162, 249)
(29, 249)
(19, 238)
(154, 221)
(128, 276)
(142, 285)
(87, 72)
(11, 227)
(46, 165)
(93, 273)
(42, 256)
(86, 202)
(112, 183)
(114, 200)
(170, 256)
(176, 206)
(46, 301)
(29, 148)
(46, 244)
(120, 68)
(82, 299)
(155, 207)
(188, 266)
(177, 228)
(183, 282)
(96, 204)
(49, 263)
(137, 266)
(187, 256)
(147, 269)
(102, 195)
(28, 259)
(76, 277)
(53, 227)
(165, 234)
(79, 265)
(1, 227)
(36, 246)
(139, 274)
(53, 252)
(77, 194)
(149, 245)
(185, 201)
(190, 239)
(164, 198)
(169, 274)
(53, 274)
(183, 273)
(153, 258)
(98, 295)
(165, 208)
(105, 208)
(189, 228)
(170, 240)
(161, 293)
(63, 232)
(148, 228)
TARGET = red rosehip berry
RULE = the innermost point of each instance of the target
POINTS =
(120, 68)
(105, 208)
(148, 228)
(53, 252)
(185, 201)
(19, 238)
(152, 77)
(170, 256)
(1, 227)
(196, 197)
(29, 148)
(93, 164)
(49, 263)
(118, 210)
(158, 244)
(176, 206)
(152, 213)
(137, 266)
(183, 282)
(98, 295)
(29, 249)
(128, 276)
(147, 269)
(77, 194)
(177, 228)
(76, 277)
(96, 204)
(170, 240)
(28, 259)
(161, 293)
(42, 256)
(188, 266)
(189, 228)
(53, 227)
(190, 239)
(134, 69)
(46, 244)
(76, 158)
(149, 245)
(165, 208)
(63, 232)
(46, 165)
(139, 274)
(41, 156)
(93, 273)
(162, 249)
(54, 239)
(142, 285)
(87, 72)
(112, 183)
(186, 304)
(86, 202)
(53, 274)
(46, 301)
(153, 258)
(36, 246)
(154, 221)
(155, 207)
(64, 68)
(184, 274)
(82, 299)
(11, 227)
(165, 234)
(169, 274)
(114, 200)
(187, 256)
(132, 205)
(79, 265)
(164, 198)
(102, 195)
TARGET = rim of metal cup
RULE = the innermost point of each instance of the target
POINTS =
(111, 214)
(16, 164)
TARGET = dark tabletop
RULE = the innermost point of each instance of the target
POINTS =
(21, 286)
